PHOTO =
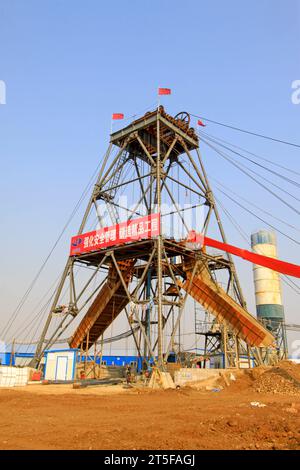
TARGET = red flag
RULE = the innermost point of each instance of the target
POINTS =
(118, 116)
(164, 91)
(200, 123)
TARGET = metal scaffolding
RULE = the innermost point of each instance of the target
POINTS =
(156, 162)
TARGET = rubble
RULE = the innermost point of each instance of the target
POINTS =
(282, 379)
(257, 404)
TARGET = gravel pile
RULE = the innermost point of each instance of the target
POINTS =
(282, 379)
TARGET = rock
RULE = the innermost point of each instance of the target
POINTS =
(232, 423)
(291, 410)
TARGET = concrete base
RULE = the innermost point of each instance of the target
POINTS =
(161, 380)
(184, 376)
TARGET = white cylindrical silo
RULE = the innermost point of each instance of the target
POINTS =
(267, 283)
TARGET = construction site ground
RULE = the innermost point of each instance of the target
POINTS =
(192, 417)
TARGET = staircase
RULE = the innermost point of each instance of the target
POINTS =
(108, 304)
(217, 302)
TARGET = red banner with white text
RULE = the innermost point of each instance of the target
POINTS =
(125, 232)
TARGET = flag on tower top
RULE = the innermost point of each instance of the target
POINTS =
(200, 123)
(118, 116)
(164, 91)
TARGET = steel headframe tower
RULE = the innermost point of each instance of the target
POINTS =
(156, 163)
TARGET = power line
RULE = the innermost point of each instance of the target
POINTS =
(254, 179)
(259, 157)
(289, 282)
(247, 132)
(233, 221)
(259, 218)
(43, 309)
(241, 165)
(112, 339)
(255, 206)
(24, 326)
(33, 282)
(279, 175)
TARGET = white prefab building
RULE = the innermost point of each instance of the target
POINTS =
(60, 364)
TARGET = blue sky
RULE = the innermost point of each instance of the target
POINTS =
(68, 65)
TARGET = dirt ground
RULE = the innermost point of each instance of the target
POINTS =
(59, 417)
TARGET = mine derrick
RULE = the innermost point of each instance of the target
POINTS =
(147, 271)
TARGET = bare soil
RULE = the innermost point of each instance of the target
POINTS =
(59, 417)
